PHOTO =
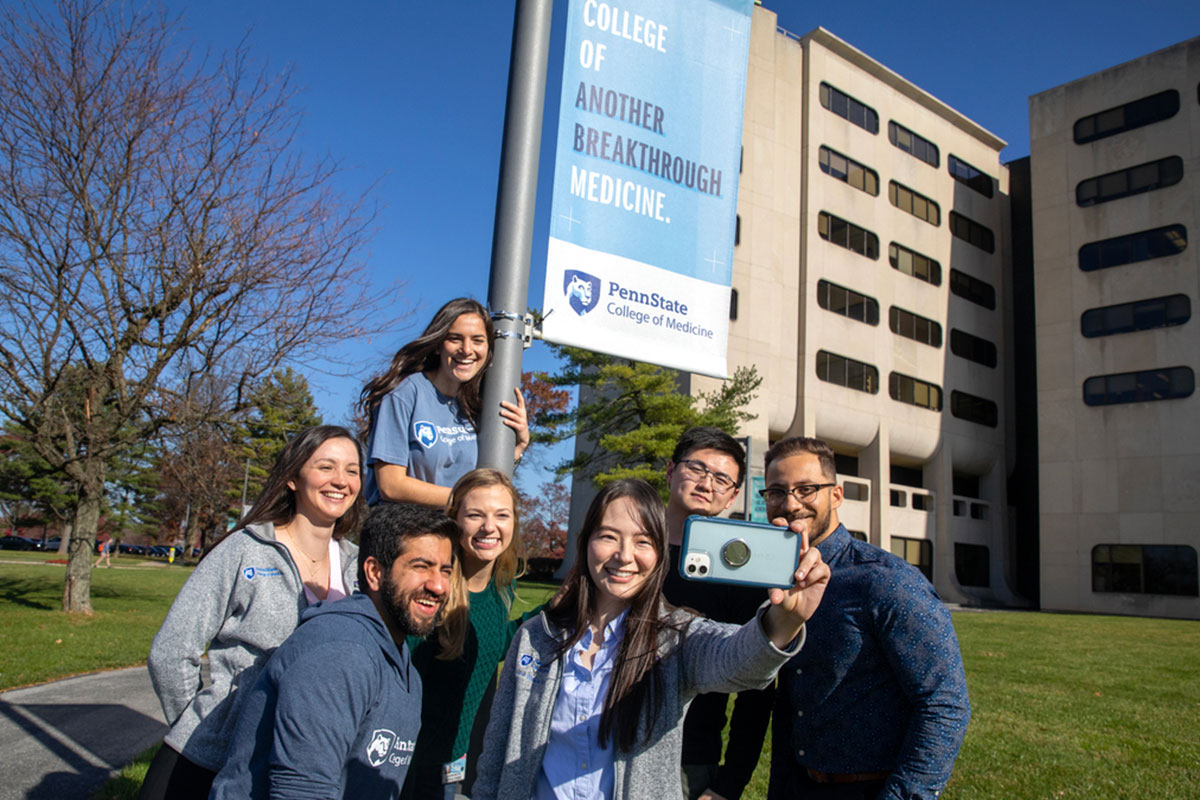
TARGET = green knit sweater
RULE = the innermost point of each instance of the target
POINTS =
(452, 690)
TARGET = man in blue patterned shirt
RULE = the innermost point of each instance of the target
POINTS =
(875, 705)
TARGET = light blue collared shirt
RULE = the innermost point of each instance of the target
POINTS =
(575, 766)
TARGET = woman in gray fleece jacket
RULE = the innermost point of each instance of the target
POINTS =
(245, 598)
(593, 693)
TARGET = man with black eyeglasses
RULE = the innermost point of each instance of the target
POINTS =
(705, 473)
(875, 705)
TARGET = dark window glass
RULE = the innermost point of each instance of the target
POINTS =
(1132, 248)
(914, 326)
(970, 288)
(965, 485)
(847, 302)
(918, 552)
(922, 502)
(897, 498)
(1134, 180)
(1141, 315)
(979, 511)
(1170, 383)
(733, 298)
(737, 230)
(862, 537)
(844, 464)
(847, 170)
(914, 203)
(965, 174)
(913, 143)
(971, 564)
(848, 235)
(973, 409)
(972, 348)
(847, 372)
(971, 231)
(910, 262)
(907, 476)
(848, 108)
(913, 391)
(1110, 122)
(1145, 569)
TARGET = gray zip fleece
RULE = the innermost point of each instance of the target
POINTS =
(242, 601)
(713, 657)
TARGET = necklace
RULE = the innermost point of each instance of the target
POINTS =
(311, 567)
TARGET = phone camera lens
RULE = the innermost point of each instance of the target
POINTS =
(691, 567)
(704, 570)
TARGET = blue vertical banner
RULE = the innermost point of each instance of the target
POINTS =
(642, 222)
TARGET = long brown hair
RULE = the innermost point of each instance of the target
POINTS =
(509, 565)
(421, 355)
(277, 502)
(635, 688)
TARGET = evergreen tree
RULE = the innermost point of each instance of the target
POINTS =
(281, 406)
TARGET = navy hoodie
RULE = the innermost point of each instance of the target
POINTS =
(335, 713)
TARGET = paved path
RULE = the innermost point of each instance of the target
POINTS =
(62, 740)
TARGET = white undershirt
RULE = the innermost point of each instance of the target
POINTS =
(337, 587)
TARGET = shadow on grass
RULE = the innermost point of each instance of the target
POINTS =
(28, 593)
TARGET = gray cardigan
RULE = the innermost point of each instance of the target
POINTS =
(240, 603)
(713, 657)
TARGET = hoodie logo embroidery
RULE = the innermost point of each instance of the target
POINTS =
(250, 573)
(385, 746)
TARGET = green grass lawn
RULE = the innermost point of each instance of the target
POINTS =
(1065, 706)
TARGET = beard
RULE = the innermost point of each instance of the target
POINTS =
(397, 605)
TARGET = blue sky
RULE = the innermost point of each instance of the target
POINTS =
(410, 97)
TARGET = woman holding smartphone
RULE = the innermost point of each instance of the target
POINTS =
(593, 693)
(423, 411)
(245, 597)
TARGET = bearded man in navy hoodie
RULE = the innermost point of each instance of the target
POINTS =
(336, 711)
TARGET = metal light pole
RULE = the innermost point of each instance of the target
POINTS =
(512, 238)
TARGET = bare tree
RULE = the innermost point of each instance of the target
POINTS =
(157, 228)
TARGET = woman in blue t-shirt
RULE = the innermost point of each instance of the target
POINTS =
(423, 411)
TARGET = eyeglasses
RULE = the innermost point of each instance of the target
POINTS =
(801, 492)
(698, 471)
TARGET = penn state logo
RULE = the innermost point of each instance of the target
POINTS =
(379, 746)
(426, 433)
(582, 290)
(248, 572)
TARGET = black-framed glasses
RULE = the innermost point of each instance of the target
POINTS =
(804, 491)
(698, 471)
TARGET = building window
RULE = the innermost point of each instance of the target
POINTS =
(847, 372)
(914, 326)
(898, 498)
(860, 535)
(1154, 108)
(847, 302)
(850, 109)
(733, 298)
(979, 292)
(918, 552)
(1142, 315)
(1126, 182)
(974, 409)
(922, 502)
(914, 203)
(907, 389)
(845, 465)
(847, 170)
(1132, 248)
(907, 476)
(970, 177)
(971, 565)
(1144, 569)
(972, 348)
(737, 230)
(1139, 387)
(913, 143)
(853, 490)
(848, 235)
(971, 231)
(965, 485)
(910, 262)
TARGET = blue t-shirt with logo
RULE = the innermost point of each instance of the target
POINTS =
(423, 430)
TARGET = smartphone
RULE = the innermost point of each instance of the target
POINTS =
(744, 553)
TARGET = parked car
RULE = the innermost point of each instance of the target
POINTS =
(132, 549)
(17, 543)
(51, 545)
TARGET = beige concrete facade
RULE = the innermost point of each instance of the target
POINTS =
(781, 327)
(1128, 473)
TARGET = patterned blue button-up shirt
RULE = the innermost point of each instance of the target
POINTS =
(879, 685)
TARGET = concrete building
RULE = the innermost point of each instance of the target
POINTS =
(1115, 194)
(870, 293)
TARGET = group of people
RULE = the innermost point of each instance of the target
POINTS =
(338, 670)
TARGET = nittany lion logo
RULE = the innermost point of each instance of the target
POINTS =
(582, 290)
(426, 433)
(380, 746)
(249, 573)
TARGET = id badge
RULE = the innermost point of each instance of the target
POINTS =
(455, 771)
